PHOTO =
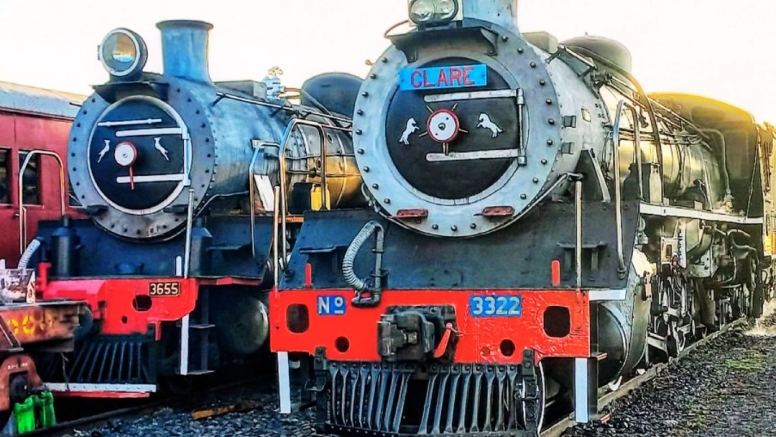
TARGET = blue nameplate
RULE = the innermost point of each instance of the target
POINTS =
(437, 78)
(496, 306)
(331, 306)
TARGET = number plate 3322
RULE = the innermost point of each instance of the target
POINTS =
(164, 289)
(496, 306)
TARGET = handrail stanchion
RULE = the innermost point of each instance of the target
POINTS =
(282, 162)
(257, 147)
(617, 186)
(22, 210)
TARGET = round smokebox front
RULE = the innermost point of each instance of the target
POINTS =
(452, 147)
(139, 165)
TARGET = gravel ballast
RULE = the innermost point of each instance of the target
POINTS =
(725, 388)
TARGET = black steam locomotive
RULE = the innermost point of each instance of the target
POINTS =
(539, 227)
(180, 177)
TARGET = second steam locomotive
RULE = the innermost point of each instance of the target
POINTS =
(539, 227)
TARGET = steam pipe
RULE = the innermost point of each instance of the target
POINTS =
(184, 49)
(741, 247)
(723, 151)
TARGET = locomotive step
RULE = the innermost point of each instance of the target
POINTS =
(226, 248)
(199, 372)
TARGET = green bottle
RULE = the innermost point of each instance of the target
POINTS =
(46, 409)
(25, 415)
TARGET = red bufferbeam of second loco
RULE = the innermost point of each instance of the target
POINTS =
(498, 327)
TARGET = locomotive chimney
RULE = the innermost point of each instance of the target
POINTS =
(184, 49)
(500, 12)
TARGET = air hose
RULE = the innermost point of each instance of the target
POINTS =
(350, 256)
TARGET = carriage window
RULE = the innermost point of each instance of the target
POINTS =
(31, 193)
(5, 185)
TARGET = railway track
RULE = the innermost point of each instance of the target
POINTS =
(190, 400)
(559, 427)
(198, 399)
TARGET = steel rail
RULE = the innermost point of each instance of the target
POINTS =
(71, 427)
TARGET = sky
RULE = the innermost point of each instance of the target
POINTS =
(718, 48)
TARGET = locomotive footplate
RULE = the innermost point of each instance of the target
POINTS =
(45, 328)
(51, 323)
(410, 399)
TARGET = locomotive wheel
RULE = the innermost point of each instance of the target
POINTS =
(681, 341)
(672, 346)
(676, 342)
(541, 400)
(722, 319)
(756, 290)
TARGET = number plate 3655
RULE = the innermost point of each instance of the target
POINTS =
(496, 306)
(164, 289)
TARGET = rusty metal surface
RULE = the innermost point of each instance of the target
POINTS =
(16, 365)
(32, 100)
(41, 322)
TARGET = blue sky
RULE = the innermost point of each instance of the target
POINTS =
(718, 48)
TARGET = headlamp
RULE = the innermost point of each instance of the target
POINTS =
(423, 12)
(123, 53)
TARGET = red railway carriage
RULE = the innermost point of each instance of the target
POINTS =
(31, 119)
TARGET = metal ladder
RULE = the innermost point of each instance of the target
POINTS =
(202, 327)
(190, 332)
